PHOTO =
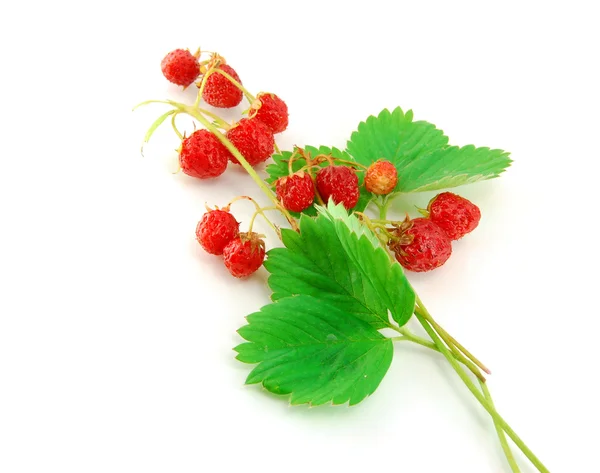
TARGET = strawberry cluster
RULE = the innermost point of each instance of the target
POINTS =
(218, 232)
(423, 244)
(420, 244)
(202, 154)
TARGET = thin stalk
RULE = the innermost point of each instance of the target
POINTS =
(203, 85)
(407, 335)
(458, 356)
(249, 169)
(501, 435)
(449, 339)
(174, 125)
(261, 212)
(480, 398)
(222, 123)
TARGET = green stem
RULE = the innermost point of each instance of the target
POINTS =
(261, 211)
(484, 403)
(383, 207)
(222, 123)
(174, 125)
(407, 335)
(203, 85)
(458, 356)
(501, 435)
(449, 339)
(194, 112)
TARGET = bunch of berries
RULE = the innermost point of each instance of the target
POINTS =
(420, 244)
(202, 154)
(218, 232)
(425, 243)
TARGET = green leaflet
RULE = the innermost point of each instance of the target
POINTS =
(279, 168)
(314, 351)
(338, 212)
(329, 261)
(421, 153)
(453, 167)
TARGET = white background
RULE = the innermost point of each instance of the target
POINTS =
(116, 330)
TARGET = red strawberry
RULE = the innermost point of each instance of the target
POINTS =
(381, 177)
(216, 229)
(220, 92)
(180, 67)
(202, 155)
(454, 214)
(296, 192)
(339, 183)
(420, 245)
(270, 110)
(244, 254)
(253, 139)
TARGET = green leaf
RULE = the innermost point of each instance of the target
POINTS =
(328, 260)
(452, 167)
(314, 351)
(338, 212)
(280, 168)
(421, 153)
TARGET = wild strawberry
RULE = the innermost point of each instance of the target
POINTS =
(339, 183)
(180, 67)
(244, 254)
(296, 192)
(454, 214)
(270, 110)
(216, 229)
(420, 245)
(220, 92)
(381, 177)
(202, 155)
(253, 139)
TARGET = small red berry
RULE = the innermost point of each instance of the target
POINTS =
(454, 214)
(244, 254)
(180, 67)
(219, 91)
(216, 229)
(421, 245)
(381, 177)
(296, 192)
(202, 155)
(271, 110)
(339, 183)
(253, 139)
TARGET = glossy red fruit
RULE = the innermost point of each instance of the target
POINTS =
(271, 110)
(340, 183)
(180, 67)
(421, 245)
(381, 177)
(253, 139)
(202, 155)
(456, 215)
(296, 192)
(215, 230)
(219, 91)
(244, 254)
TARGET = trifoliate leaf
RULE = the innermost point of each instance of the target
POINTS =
(329, 261)
(280, 168)
(421, 153)
(314, 351)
